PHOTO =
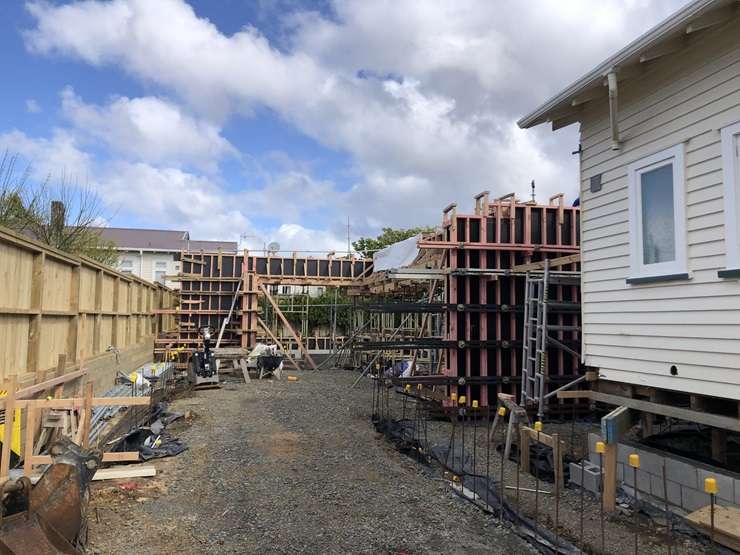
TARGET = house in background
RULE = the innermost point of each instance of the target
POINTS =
(150, 253)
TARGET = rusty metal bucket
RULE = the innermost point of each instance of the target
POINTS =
(53, 520)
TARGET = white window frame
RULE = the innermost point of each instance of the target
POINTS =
(731, 186)
(638, 269)
(126, 266)
(156, 270)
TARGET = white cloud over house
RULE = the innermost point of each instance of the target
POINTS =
(422, 96)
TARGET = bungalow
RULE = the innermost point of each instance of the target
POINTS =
(660, 199)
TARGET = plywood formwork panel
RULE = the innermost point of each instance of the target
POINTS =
(122, 332)
(107, 295)
(54, 335)
(496, 238)
(88, 277)
(58, 295)
(16, 267)
(124, 298)
(13, 345)
(85, 336)
(210, 281)
(106, 333)
(52, 303)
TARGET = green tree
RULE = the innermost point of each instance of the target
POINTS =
(366, 246)
(319, 311)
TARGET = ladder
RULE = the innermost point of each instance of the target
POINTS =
(537, 337)
(534, 344)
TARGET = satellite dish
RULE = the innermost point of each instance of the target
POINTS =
(273, 247)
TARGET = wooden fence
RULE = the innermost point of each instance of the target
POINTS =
(55, 304)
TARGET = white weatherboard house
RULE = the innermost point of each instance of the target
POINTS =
(660, 197)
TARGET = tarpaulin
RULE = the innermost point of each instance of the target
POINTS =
(398, 255)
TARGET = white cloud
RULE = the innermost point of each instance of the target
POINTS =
(431, 119)
(290, 196)
(32, 107)
(52, 158)
(148, 129)
(168, 197)
(294, 237)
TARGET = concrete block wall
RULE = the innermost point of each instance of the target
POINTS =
(684, 478)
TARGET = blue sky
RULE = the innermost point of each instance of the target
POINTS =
(280, 119)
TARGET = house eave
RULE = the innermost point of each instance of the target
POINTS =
(637, 52)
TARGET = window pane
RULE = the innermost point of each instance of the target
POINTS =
(658, 226)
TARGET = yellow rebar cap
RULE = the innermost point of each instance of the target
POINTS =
(418, 386)
(502, 411)
(634, 460)
(600, 447)
(538, 426)
(462, 399)
(710, 486)
(475, 403)
(407, 387)
(453, 397)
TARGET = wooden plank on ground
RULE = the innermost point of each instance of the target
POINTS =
(119, 472)
(726, 524)
(122, 456)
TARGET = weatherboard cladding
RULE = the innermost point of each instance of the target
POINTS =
(634, 334)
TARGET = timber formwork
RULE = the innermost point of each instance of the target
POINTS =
(487, 251)
(211, 280)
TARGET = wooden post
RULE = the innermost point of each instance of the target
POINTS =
(61, 364)
(30, 439)
(610, 477)
(85, 426)
(8, 434)
(115, 340)
(524, 449)
(98, 317)
(74, 308)
(719, 445)
(425, 317)
(557, 457)
(288, 326)
(34, 329)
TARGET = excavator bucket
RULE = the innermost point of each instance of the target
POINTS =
(50, 517)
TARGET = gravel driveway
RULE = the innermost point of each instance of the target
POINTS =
(288, 467)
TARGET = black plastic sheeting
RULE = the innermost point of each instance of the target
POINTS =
(136, 441)
(167, 445)
(404, 435)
